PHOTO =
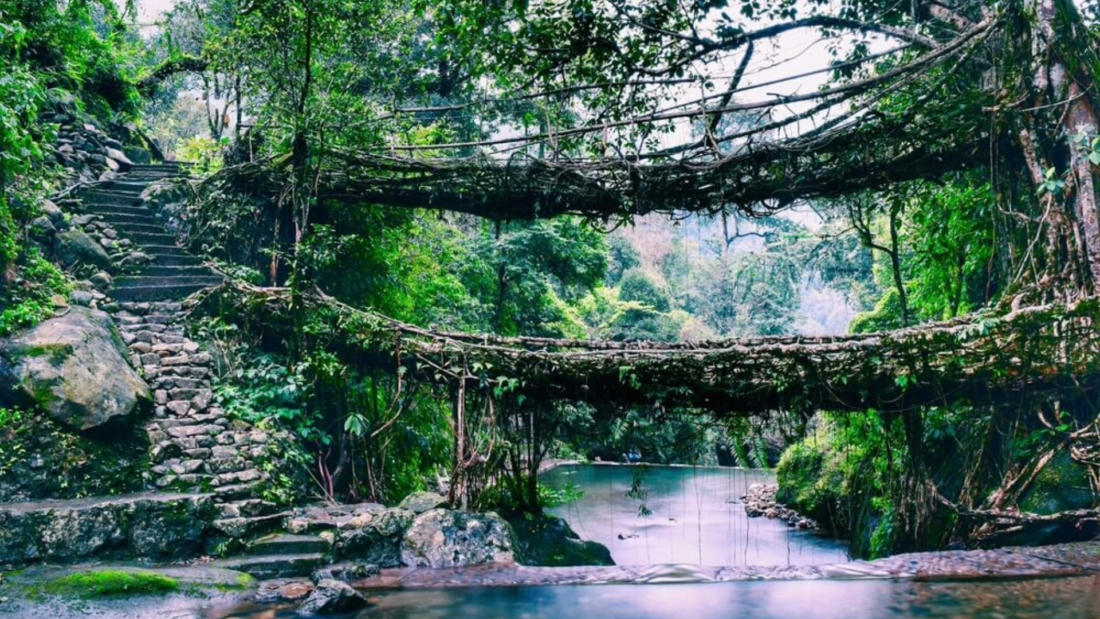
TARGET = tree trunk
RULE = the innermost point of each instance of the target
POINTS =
(1058, 41)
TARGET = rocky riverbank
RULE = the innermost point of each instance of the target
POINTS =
(760, 502)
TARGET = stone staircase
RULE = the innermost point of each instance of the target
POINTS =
(281, 555)
(173, 273)
(195, 447)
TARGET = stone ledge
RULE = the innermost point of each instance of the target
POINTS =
(150, 525)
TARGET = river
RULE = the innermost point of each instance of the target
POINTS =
(694, 516)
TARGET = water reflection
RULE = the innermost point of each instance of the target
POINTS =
(695, 516)
(1067, 598)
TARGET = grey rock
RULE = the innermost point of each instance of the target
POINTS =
(53, 212)
(420, 502)
(345, 572)
(332, 597)
(74, 367)
(151, 525)
(75, 247)
(119, 158)
(42, 230)
(444, 538)
(102, 280)
(82, 298)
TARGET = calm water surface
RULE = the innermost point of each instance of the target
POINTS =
(1067, 598)
(695, 516)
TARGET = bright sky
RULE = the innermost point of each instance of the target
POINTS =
(150, 10)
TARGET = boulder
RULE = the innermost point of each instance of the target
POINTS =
(420, 502)
(74, 368)
(82, 297)
(101, 280)
(120, 159)
(549, 541)
(54, 213)
(444, 538)
(76, 247)
(332, 597)
(41, 229)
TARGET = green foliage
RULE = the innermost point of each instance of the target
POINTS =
(810, 477)
(557, 497)
(885, 316)
(12, 427)
(30, 294)
(50, 51)
(946, 245)
(532, 271)
(207, 154)
(42, 459)
(83, 47)
(622, 257)
(843, 475)
(638, 490)
(642, 287)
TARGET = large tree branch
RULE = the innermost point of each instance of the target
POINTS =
(169, 68)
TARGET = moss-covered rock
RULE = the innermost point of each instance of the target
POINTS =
(74, 247)
(549, 541)
(146, 526)
(110, 582)
(74, 367)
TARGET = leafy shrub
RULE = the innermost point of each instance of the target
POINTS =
(30, 295)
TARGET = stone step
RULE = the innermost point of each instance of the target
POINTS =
(163, 249)
(147, 235)
(154, 177)
(287, 544)
(246, 508)
(278, 566)
(159, 270)
(131, 281)
(236, 491)
(162, 165)
(146, 228)
(125, 220)
(121, 209)
(92, 197)
(174, 260)
(124, 186)
(249, 527)
(156, 293)
(81, 529)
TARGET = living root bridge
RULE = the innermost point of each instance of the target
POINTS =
(1049, 351)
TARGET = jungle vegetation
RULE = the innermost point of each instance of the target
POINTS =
(459, 235)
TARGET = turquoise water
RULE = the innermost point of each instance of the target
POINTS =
(1065, 598)
(1076, 598)
(694, 515)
